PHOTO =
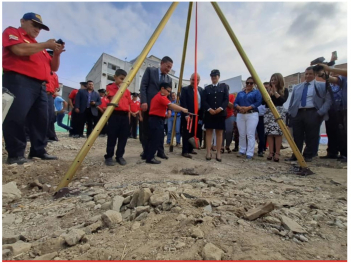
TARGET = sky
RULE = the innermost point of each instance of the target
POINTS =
(279, 37)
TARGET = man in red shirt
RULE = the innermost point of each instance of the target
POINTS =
(118, 124)
(134, 116)
(51, 87)
(26, 65)
(102, 109)
(229, 125)
(158, 107)
(71, 102)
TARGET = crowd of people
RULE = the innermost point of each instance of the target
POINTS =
(243, 117)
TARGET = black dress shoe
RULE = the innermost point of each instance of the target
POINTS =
(142, 154)
(18, 160)
(187, 155)
(121, 161)
(329, 157)
(45, 156)
(291, 159)
(260, 154)
(109, 162)
(193, 152)
(75, 136)
(163, 156)
(236, 149)
(307, 159)
(54, 139)
(153, 161)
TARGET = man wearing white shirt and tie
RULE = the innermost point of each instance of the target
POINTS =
(308, 108)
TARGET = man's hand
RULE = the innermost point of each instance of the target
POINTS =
(325, 67)
(212, 112)
(186, 117)
(144, 107)
(92, 102)
(76, 110)
(61, 112)
(51, 44)
(59, 49)
(141, 118)
(185, 110)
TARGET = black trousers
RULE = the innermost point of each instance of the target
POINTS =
(337, 140)
(145, 134)
(85, 117)
(118, 129)
(155, 136)
(186, 135)
(30, 107)
(73, 124)
(134, 125)
(51, 134)
(306, 125)
(261, 135)
(104, 129)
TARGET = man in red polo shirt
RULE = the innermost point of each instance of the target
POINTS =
(102, 108)
(134, 116)
(158, 107)
(118, 123)
(26, 65)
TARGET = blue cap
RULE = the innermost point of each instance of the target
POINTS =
(215, 72)
(35, 18)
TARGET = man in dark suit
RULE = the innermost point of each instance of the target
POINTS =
(149, 87)
(85, 106)
(187, 101)
(308, 107)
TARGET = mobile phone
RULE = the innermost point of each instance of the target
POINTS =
(335, 55)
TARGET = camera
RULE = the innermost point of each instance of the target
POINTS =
(59, 41)
(320, 60)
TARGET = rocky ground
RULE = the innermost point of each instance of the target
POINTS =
(180, 210)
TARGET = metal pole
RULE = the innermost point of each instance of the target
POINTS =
(95, 133)
(262, 89)
(181, 71)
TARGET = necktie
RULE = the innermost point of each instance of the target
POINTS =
(304, 95)
(162, 78)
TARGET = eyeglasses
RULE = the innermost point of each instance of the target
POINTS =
(249, 83)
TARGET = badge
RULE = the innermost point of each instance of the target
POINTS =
(13, 37)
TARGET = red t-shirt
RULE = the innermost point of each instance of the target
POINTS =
(135, 106)
(36, 66)
(52, 84)
(230, 111)
(125, 101)
(104, 102)
(159, 105)
(72, 95)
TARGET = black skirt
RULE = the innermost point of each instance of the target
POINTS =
(214, 121)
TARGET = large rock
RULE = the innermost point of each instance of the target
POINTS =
(101, 196)
(46, 257)
(134, 201)
(196, 233)
(111, 218)
(73, 237)
(141, 209)
(259, 211)
(9, 239)
(50, 245)
(292, 225)
(144, 196)
(10, 193)
(117, 203)
(93, 227)
(212, 253)
(18, 247)
(158, 199)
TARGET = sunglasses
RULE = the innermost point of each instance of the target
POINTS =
(249, 83)
(37, 25)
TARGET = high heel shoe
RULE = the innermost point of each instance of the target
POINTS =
(229, 151)
(276, 159)
(222, 150)
(218, 159)
(270, 157)
(209, 158)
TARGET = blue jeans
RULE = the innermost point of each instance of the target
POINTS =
(170, 127)
(59, 118)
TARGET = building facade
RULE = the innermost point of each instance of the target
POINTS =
(104, 69)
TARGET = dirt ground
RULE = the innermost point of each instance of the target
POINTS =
(203, 215)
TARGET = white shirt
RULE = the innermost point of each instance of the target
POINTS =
(309, 99)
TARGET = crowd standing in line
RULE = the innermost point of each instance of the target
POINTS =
(222, 116)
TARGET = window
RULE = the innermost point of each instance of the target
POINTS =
(175, 85)
(110, 78)
(113, 67)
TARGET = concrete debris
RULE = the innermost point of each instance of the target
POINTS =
(259, 211)
(111, 218)
(292, 225)
(10, 193)
(212, 253)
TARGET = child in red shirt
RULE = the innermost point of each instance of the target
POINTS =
(118, 123)
(158, 106)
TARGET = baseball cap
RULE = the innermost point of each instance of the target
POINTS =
(35, 18)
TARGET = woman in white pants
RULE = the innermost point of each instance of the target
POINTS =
(246, 104)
